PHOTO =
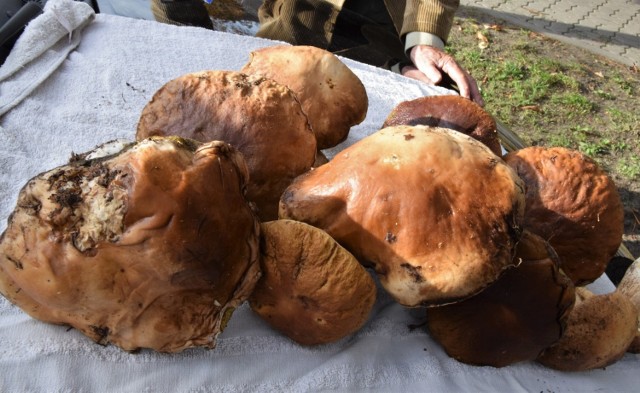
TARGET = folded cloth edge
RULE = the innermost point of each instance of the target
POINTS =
(41, 49)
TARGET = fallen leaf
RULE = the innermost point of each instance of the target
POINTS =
(495, 27)
(534, 12)
(484, 41)
(634, 68)
(599, 73)
(535, 108)
(533, 35)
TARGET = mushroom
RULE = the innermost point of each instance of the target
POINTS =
(630, 287)
(149, 246)
(572, 203)
(258, 116)
(331, 95)
(515, 318)
(312, 290)
(448, 111)
(599, 330)
(433, 211)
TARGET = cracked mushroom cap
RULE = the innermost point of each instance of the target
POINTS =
(153, 246)
(433, 211)
(574, 205)
(331, 95)
(599, 330)
(258, 116)
(448, 111)
(312, 290)
(515, 318)
(630, 287)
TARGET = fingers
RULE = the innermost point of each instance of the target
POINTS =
(432, 72)
(432, 62)
(475, 93)
(432, 78)
(466, 84)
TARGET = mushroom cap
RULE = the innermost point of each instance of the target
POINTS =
(331, 95)
(312, 290)
(435, 212)
(515, 318)
(448, 111)
(151, 247)
(572, 203)
(258, 116)
(599, 331)
(630, 287)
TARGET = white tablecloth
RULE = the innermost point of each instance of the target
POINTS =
(95, 95)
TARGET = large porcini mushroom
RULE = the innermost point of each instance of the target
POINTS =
(433, 211)
(630, 287)
(312, 290)
(258, 116)
(448, 111)
(152, 246)
(572, 203)
(515, 318)
(599, 330)
(331, 95)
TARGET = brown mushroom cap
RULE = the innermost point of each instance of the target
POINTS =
(258, 116)
(435, 212)
(331, 95)
(599, 331)
(448, 111)
(312, 290)
(515, 318)
(630, 287)
(574, 205)
(152, 247)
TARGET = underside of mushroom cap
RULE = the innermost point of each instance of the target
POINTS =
(514, 319)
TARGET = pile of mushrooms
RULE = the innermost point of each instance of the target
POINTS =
(154, 243)
(497, 249)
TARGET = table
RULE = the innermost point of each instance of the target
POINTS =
(96, 94)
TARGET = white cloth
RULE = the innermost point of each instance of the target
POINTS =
(50, 39)
(95, 95)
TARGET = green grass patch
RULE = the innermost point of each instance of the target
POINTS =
(554, 95)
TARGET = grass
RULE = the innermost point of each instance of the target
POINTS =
(552, 95)
(630, 167)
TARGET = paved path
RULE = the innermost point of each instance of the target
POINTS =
(610, 28)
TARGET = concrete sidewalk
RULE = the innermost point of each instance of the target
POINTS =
(609, 28)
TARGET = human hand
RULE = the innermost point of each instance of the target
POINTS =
(430, 63)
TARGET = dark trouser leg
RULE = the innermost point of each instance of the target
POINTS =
(181, 12)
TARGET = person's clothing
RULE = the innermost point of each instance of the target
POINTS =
(181, 12)
(376, 32)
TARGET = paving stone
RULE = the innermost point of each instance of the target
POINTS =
(538, 24)
(632, 27)
(607, 27)
(555, 27)
(608, 22)
(624, 39)
(631, 57)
